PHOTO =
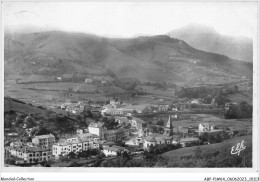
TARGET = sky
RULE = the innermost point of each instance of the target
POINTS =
(128, 19)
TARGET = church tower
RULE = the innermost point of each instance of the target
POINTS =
(168, 130)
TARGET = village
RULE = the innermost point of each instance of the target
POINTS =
(117, 129)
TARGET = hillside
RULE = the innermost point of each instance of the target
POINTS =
(155, 58)
(54, 122)
(213, 155)
(207, 39)
(23, 108)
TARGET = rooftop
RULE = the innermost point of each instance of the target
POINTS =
(97, 125)
(45, 136)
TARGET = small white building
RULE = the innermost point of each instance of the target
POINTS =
(204, 127)
(97, 129)
(88, 80)
(113, 151)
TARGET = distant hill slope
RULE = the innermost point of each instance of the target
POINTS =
(155, 58)
(213, 155)
(207, 39)
(52, 121)
(22, 107)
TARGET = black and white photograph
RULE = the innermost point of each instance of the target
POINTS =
(130, 85)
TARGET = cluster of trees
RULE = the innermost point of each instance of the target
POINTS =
(242, 110)
(84, 154)
(10, 161)
(128, 84)
(160, 149)
(110, 123)
(213, 137)
(160, 122)
(16, 119)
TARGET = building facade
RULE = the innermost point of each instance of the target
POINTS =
(75, 144)
(30, 154)
(44, 140)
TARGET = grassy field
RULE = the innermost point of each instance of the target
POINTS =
(213, 155)
(153, 91)
(23, 108)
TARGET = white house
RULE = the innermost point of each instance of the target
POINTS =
(204, 127)
(195, 101)
(113, 151)
(97, 129)
(75, 144)
(88, 80)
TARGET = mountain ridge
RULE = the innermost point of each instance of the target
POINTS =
(147, 58)
(208, 39)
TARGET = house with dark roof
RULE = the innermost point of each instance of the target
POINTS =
(156, 139)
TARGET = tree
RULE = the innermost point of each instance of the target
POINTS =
(79, 118)
(72, 155)
(45, 164)
(160, 122)
(10, 161)
(233, 112)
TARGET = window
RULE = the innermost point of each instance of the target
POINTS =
(30, 155)
(44, 154)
